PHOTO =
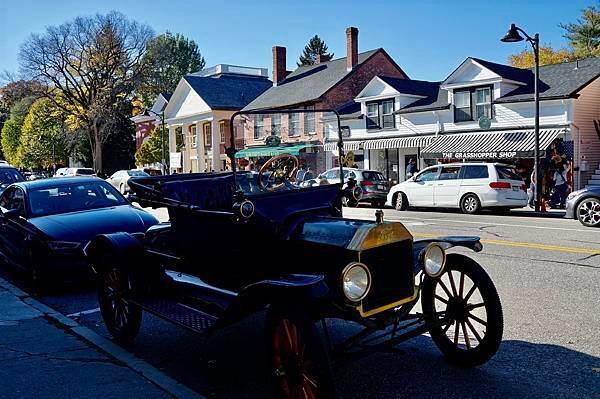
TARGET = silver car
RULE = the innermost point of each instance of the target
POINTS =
(584, 205)
(120, 178)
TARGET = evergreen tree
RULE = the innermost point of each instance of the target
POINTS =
(315, 47)
(584, 35)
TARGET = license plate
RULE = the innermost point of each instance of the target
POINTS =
(380, 187)
(516, 188)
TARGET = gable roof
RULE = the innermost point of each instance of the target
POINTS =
(409, 86)
(557, 81)
(228, 91)
(507, 71)
(166, 96)
(308, 83)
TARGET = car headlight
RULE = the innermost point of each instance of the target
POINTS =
(434, 260)
(64, 246)
(571, 196)
(356, 281)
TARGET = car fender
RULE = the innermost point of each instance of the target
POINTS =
(294, 289)
(124, 249)
(471, 242)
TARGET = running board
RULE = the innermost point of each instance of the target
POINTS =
(178, 313)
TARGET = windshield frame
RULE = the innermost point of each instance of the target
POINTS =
(231, 150)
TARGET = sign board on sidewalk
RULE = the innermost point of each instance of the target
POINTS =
(175, 159)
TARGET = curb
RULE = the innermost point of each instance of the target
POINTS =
(149, 372)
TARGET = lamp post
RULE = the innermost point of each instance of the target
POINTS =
(513, 36)
(162, 122)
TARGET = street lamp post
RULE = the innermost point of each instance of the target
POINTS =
(513, 36)
(162, 122)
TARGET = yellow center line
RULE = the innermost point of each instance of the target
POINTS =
(557, 248)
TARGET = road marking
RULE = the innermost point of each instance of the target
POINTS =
(495, 224)
(83, 312)
(530, 245)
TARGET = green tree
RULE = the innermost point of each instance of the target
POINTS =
(584, 35)
(89, 68)
(315, 47)
(169, 58)
(43, 138)
(548, 55)
(151, 150)
(11, 131)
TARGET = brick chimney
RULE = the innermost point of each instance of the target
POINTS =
(279, 61)
(321, 58)
(351, 47)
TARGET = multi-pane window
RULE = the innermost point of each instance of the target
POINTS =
(472, 104)
(222, 131)
(276, 124)
(294, 124)
(259, 126)
(380, 115)
(193, 137)
(207, 134)
(309, 122)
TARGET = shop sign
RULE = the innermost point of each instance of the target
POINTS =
(480, 155)
(175, 159)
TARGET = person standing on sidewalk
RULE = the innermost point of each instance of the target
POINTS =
(560, 188)
(531, 201)
(411, 168)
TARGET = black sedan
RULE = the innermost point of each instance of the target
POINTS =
(45, 224)
(584, 205)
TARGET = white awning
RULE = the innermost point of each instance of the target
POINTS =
(399, 142)
(489, 144)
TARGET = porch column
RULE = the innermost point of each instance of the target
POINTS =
(172, 144)
(216, 145)
(200, 146)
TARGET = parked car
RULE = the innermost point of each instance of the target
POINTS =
(468, 186)
(61, 172)
(373, 184)
(9, 175)
(120, 178)
(45, 224)
(288, 249)
(584, 205)
(80, 172)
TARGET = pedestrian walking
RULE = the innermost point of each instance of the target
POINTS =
(531, 201)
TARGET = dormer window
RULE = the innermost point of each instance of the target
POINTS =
(380, 115)
(473, 103)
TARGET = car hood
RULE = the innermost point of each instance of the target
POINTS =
(82, 226)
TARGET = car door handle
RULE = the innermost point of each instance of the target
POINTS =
(440, 184)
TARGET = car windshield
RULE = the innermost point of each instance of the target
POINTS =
(289, 150)
(137, 173)
(9, 176)
(85, 171)
(63, 198)
(508, 173)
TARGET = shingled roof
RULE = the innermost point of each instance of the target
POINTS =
(306, 83)
(228, 92)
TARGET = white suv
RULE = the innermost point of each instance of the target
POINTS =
(468, 186)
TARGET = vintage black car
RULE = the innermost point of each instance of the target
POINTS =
(239, 242)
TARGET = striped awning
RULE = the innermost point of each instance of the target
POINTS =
(348, 146)
(489, 145)
(399, 142)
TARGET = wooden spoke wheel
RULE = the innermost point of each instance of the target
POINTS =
(122, 318)
(278, 170)
(467, 296)
(297, 356)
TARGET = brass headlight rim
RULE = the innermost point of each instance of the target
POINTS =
(345, 271)
(423, 255)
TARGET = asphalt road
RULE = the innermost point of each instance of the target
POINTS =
(547, 271)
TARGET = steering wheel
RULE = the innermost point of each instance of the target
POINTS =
(283, 168)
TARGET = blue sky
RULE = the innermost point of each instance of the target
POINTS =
(428, 39)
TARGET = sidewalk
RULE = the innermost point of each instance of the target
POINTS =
(44, 354)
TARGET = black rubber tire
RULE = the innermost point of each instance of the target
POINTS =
(490, 342)
(400, 201)
(470, 204)
(38, 279)
(128, 328)
(590, 219)
(315, 353)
